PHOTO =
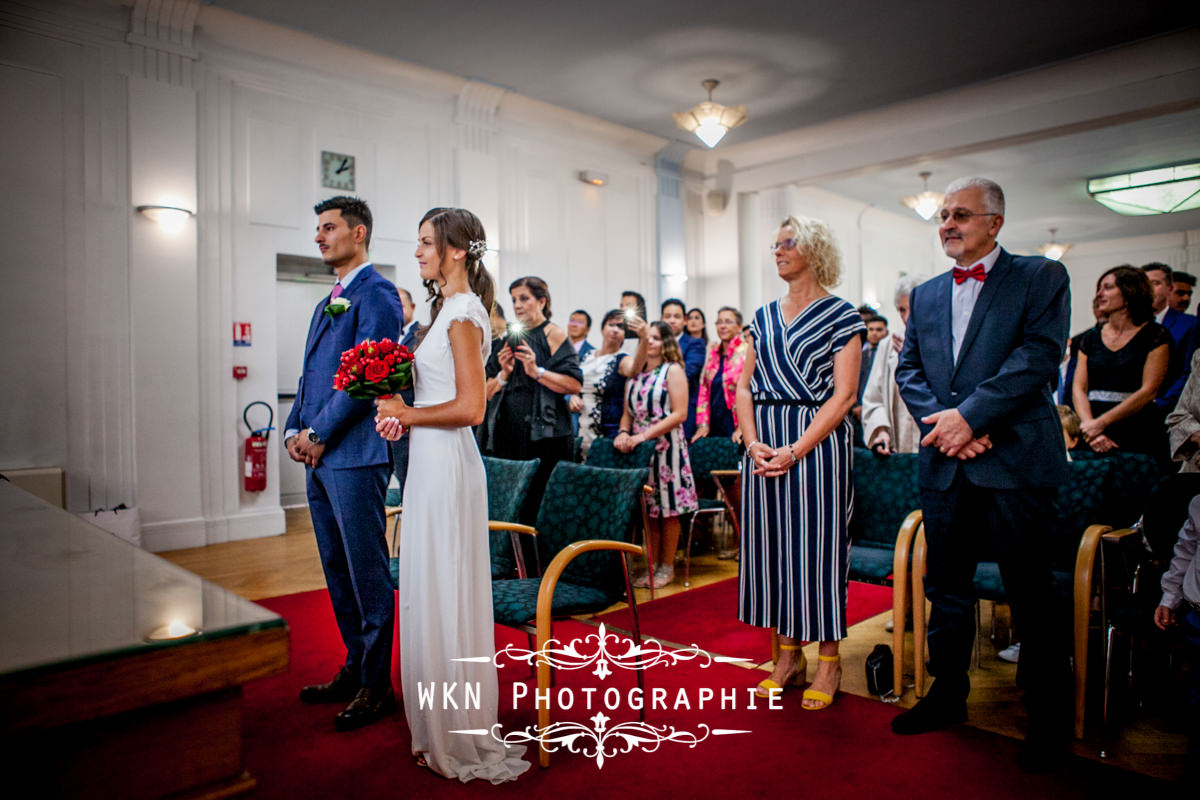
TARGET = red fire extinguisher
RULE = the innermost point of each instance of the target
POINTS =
(254, 475)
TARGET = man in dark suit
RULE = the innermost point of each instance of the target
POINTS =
(347, 466)
(408, 338)
(1182, 328)
(674, 313)
(981, 353)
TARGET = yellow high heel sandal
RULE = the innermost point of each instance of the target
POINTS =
(797, 676)
(813, 694)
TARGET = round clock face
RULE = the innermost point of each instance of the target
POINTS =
(337, 171)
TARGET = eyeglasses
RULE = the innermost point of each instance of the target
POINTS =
(961, 215)
(786, 244)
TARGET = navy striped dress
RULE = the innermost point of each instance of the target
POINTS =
(795, 548)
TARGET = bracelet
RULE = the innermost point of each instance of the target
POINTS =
(501, 381)
(750, 446)
(792, 452)
(627, 433)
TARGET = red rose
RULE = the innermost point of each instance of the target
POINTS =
(377, 371)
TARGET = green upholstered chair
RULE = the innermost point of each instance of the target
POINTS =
(603, 453)
(582, 533)
(1074, 543)
(508, 484)
(885, 492)
(708, 454)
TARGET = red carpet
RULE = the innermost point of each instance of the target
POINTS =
(845, 752)
(707, 617)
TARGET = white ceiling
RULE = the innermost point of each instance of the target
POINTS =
(1045, 181)
(633, 62)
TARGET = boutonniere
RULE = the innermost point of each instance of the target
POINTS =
(338, 305)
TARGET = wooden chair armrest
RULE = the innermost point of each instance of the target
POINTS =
(917, 578)
(392, 511)
(725, 473)
(901, 593)
(1117, 535)
(512, 527)
(1085, 567)
(545, 603)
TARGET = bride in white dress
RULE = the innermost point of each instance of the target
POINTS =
(445, 576)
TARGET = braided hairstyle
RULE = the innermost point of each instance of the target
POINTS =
(459, 228)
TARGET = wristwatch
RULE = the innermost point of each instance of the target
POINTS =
(312, 437)
(541, 372)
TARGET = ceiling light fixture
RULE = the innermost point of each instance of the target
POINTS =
(1161, 190)
(1054, 250)
(927, 203)
(708, 120)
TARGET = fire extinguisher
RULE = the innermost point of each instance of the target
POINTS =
(254, 475)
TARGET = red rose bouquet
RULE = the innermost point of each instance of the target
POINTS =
(374, 369)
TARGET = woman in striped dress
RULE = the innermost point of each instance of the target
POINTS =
(656, 404)
(796, 388)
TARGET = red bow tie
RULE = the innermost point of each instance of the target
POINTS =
(977, 272)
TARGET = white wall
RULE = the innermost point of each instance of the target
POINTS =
(131, 326)
(1087, 262)
(877, 247)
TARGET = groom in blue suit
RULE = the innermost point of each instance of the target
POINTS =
(981, 353)
(347, 466)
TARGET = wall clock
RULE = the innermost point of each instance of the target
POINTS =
(337, 171)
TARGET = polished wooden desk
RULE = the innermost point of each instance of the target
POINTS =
(91, 703)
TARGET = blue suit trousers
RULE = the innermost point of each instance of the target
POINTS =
(348, 519)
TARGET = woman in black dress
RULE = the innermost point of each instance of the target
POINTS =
(529, 378)
(1121, 365)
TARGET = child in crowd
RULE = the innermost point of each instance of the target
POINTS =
(1071, 427)
(1180, 605)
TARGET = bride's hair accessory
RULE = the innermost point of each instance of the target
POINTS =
(477, 248)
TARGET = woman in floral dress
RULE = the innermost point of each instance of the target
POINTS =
(656, 404)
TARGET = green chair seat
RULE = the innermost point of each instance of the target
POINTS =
(514, 602)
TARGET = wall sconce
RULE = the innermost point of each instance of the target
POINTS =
(169, 218)
(593, 177)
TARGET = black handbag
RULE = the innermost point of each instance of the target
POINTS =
(879, 673)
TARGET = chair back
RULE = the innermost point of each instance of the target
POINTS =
(712, 452)
(587, 502)
(603, 453)
(1132, 477)
(885, 491)
(507, 485)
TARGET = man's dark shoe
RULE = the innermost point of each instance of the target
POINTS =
(367, 706)
(929, 715)
(341, 689)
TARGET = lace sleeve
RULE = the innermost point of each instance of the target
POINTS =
(471, 310)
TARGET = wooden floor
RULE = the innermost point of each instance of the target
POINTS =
(289, 563)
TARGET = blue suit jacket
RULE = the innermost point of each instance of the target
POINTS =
(1182, 328)
(346, 425)
(1002, 382)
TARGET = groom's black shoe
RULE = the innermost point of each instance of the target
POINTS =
(367, 706)
(341, 689)
(930, 714)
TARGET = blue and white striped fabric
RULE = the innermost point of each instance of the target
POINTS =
(795, 545)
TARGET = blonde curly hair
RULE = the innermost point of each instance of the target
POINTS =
(815, 239)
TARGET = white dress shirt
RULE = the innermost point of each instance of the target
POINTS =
(963, 298)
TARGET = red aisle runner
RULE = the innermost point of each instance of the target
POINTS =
(707, 617)
(847, 751)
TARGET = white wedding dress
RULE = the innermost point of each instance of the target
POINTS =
(445, 591)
